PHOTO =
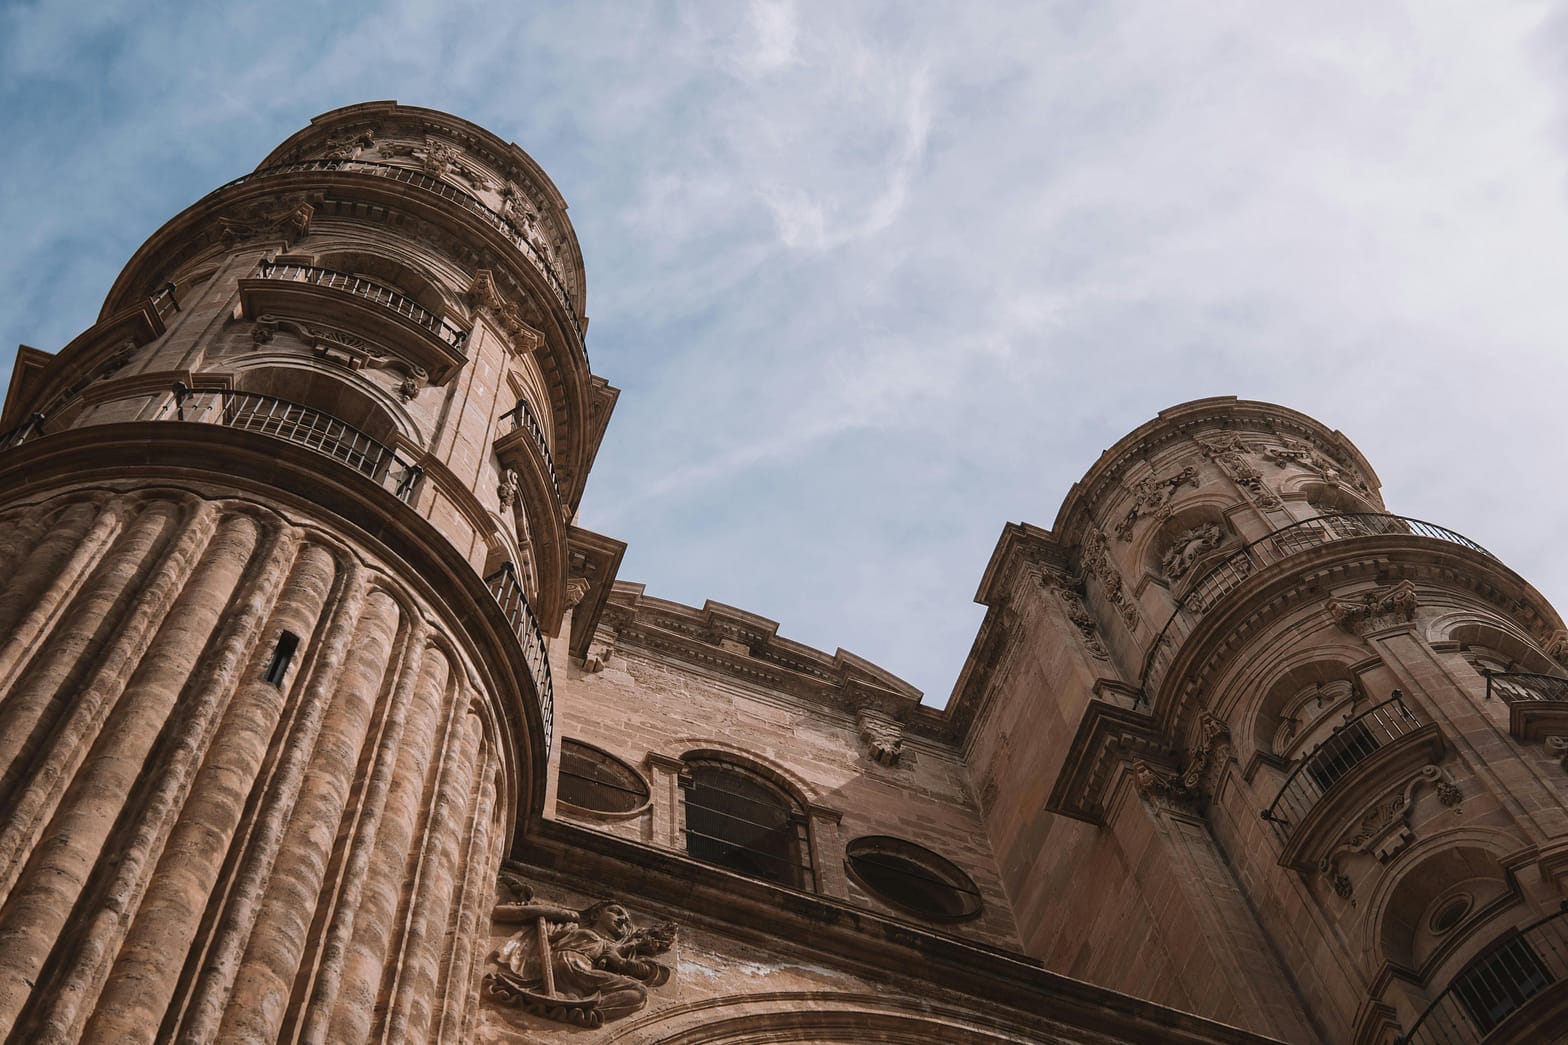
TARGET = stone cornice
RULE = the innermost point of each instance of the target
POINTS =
(1088, 498)
(731, 642)
(764, 914)
(595, 558)
(42, 382)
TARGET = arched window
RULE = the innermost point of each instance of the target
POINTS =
(740, 820)
(596, 782)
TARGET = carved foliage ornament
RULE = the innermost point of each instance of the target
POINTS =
(1192, 787)
(1305, 455)
(1383, 831)
(1097, 561)
(1378, 608)
(1077, 612)
(1152, 499)
(1230, 453)
(1188, 547)
(882, 734)
(580, 967)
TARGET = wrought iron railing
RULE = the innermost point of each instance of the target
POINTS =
(1230, 572)
(387, 297)
(522, 416)
(299, 424)
(447, 191)
(514, 603)
(1497, 984)
(1523, 687)
(1326, 764)
(31, 428)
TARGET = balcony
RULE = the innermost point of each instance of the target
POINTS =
(1386, 742)
(535, 253)
(524, 420)
(1537, 704)
(1231, 572)
(1504, 994)
(308, 292)
(509, 594)
(296, 423)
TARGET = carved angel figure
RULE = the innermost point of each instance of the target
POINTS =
(581, 967)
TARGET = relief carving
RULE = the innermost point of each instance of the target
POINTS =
(506, 490)
(347, 146)
(1383, 831)
(1188, 547)
(1152, 499)
(1305, 455)
(1097, 561)
(287, 218)
(882, 734)
(600, 650)
(1556, 646)
(1558, 748)
(1077, 612)
(578, 967)
(1191, 788)
(576, 589)
(1230, 453)
(1378, 608)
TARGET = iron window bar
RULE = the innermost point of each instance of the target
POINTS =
(1525, 687)
(31, 428)
(1353, 742)
(388, 297)
(532, 250)
(1496, 984)
(902, 868)
(1229, 573)
(510, 597)
(302, 425)
(522, 416)
(728, 846)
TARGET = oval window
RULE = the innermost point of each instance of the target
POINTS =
(912, 877)
(595, 781)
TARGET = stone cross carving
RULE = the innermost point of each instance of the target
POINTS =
(580, 967)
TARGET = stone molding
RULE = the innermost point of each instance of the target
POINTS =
(1386, 607)
(1383, 830)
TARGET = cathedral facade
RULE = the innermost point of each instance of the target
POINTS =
(321, 719)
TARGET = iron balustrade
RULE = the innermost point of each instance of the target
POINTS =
(1496, 984)
(514, 603)
(522, 416)
(31, 428)
(1327, 763)
(1283, 543)
(1523, 687)
(447, 191)
(297, 423)
(383, 295)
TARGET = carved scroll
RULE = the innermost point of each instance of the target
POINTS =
(1378, 608)
(1230, 453)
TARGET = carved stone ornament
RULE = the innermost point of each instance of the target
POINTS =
(1152, 499)
(579, 967)
(1097, 561)
(1305, 455)
(263, 330)
(1191, 788)
(1557, 747)
(1378, 608)
(1230, 454)
(286, 218)
(1556, 646)
(882, 734)
(506, 490)
(600, 650)
(1383, 831)
(1188, 547)
(347, 146)
(576, 588)
(482, 292)
(1077, 612)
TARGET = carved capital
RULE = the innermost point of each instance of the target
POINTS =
(1378, 608)
(506, 490)
(576, 588)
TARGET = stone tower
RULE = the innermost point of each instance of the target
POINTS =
(283, 534)
(321, 721)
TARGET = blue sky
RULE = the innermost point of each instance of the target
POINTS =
(878, 278)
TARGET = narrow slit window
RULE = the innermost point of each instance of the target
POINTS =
(278, 666)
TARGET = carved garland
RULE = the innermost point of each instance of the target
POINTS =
(1077, 612)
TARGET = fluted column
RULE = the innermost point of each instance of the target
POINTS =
(372, 871)
(414, 991)
(67, 579)
(214, 986)
(40, 764)
(70, 848)
(144, 977)
(277, 943)
(482, 858)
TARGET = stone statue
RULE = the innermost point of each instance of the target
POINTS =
(581, 967)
